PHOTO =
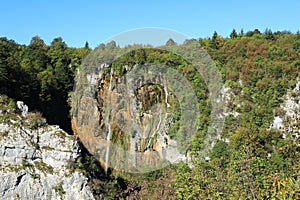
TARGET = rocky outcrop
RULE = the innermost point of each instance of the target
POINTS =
(288, 119)
(35, 159)
(23, 108)
(138, 109)
(127, 120)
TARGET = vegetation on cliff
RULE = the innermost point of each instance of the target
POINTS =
(250, 161)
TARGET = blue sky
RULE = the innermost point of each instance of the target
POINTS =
(95, 21)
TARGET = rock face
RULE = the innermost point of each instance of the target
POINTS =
(23, 108)
(34, 160)
(289, 120)
(137, 116)
(128, 121)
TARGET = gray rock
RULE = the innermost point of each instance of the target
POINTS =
(289, 123)
(34, 164)
(23, 108)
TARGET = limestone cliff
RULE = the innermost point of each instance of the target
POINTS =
(35, 158)
(134, 115)
(287, 119)
(128, 124)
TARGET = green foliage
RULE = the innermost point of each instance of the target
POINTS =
(170, 42)
(259, 68)
(25, 164)
(12, 105)
(40, 75)
(233, 34)
(59, 189)
(3, 134)
(35, 120)
(221, 152)
(104, 185)
(257, 163)
(40, 165)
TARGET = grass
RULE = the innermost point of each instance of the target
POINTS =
(59, 189)
(3, 134)
(40, 165)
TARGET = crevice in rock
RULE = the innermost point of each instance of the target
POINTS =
(19, 178)
(8, 147)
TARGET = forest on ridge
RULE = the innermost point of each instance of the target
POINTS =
(257, 162)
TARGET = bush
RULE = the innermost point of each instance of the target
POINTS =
(12, 105)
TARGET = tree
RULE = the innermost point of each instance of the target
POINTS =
(251, 33)
(256, 31)
(37, 41)
(60, 62)
(242, 31)
(269, 35)
(220, 151)
(56, 50)
(9, 55)
(215, 36)
(111, 45)
(36, 52)
(170, 42)
(3, 64)
(48, 83)
(214, 41)
(86, 45)
(233, 34)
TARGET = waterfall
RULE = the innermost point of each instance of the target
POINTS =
(164, 83)
(135, 127)
(166, 93)
(133, 146)
(107, 148)
(110, 79)
(156, 131)
(107, 122)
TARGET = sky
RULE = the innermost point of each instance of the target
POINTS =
(96, 21)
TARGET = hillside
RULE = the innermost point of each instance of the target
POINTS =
(255, 156)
